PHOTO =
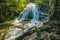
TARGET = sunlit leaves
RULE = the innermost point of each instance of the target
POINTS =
(39, 1)
(9, 8)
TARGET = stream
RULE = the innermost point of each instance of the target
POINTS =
(19, 27)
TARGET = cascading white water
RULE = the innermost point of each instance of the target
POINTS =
(31, 7)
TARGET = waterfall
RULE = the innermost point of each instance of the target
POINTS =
(31, 7)
(35, 21)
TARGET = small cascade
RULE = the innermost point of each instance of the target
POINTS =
(31, 7)
(34, 22)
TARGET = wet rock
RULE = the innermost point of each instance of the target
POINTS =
(31, 37)
(13, 33)
(16, 31)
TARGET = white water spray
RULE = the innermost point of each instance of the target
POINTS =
(31, 7)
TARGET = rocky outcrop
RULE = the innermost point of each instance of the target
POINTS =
(22, 30)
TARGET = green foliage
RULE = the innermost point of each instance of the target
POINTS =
(51, 4)
(39, 1)
(10, 8)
